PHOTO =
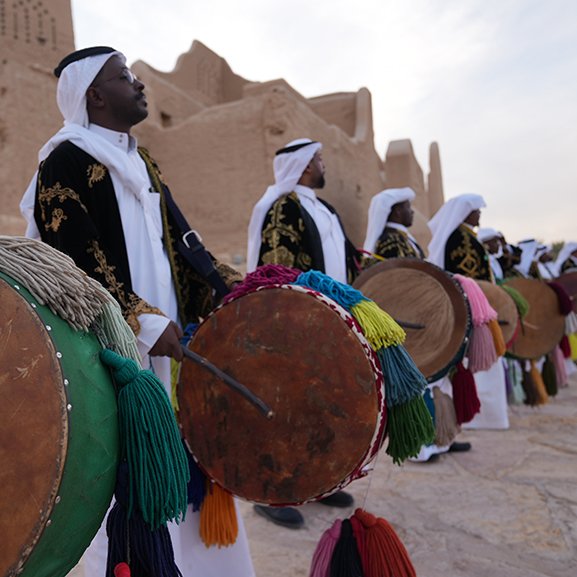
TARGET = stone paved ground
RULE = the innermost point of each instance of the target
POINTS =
(508, 508)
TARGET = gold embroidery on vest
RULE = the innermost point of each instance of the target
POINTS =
(47, 195)
(57, 217)
(95, 173)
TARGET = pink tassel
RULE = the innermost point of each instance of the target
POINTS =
(269, 274)
(481, 352)
(560, 368)
(321, 562)
(481, 311)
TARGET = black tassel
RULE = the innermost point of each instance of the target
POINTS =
(346, 561)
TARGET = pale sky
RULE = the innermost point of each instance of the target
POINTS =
(494, 82)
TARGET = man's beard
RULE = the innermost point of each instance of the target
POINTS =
(320, 183)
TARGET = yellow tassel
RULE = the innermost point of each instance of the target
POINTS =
(497, 333)
(379, 327)
(174, 379)
(541, 391)
(573, 342)
(218, 523)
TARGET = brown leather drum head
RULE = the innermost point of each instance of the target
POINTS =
(543, 326)
(33, 427)
(416, 291)
(507, 313)
(569, 282)
(301, 358)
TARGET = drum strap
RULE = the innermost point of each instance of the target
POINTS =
(192, 250)
(189, 244)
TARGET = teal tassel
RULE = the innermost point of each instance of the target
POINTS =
(157, 462)
(341, 293)
(410, 426)
(403, 380)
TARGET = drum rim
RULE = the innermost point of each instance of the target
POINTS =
(446, 279)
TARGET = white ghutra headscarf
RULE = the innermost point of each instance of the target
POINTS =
(446, 220)
(380, 210)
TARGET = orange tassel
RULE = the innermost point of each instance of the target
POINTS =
(540, 389)
(382, 552)
(218, 522)
(500, 346)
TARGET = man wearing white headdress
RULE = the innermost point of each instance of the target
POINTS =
(491, 239)
(567, 259)
(390, 216)
(291, 226)
(102, 200)
(454, 245)
(536, 260)
(456, 248)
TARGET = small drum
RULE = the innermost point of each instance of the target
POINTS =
(59, 438)
(501, 301)
(569, 282)
(304, 356)
(543, 326)
(417, 292)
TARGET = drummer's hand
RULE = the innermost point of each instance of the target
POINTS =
(168, 344)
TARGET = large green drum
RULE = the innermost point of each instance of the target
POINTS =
(58, 438)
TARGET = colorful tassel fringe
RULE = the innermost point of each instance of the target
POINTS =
(218, 522)
(362, 546)
(549, 376)
(465, 397)
(151, 444)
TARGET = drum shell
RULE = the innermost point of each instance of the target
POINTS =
(505, 307)
(415, 291)
(543, 326)
(317, 374)
(53, 526)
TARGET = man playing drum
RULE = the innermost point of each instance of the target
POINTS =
(389, 218)
(101, 200)
(291, 226)
(456, 248)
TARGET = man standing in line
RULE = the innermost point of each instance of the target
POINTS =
(291, 226)
(102, 201)
(390, 217)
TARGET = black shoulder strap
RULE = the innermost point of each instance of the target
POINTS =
(188, 244)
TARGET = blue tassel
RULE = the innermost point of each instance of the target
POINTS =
(403, 380)
(341, 293)
(148, 552)
(428, 398)
(197, 485)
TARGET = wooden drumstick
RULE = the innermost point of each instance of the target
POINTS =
(232, 383)
(409, 325)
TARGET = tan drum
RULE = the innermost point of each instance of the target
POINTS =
(507, 313)
(420, 293)
(543, 326)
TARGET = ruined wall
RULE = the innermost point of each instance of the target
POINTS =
(34, 35)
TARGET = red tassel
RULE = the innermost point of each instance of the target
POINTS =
(382, 552)
(467, 403)
(565, 347)
(565, 301)
(122, 570)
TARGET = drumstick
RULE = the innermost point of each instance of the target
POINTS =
(232, 383)
(408, 325)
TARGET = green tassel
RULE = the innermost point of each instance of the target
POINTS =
(549, 376)
(410, 426)
(520, 301)
(151, 443)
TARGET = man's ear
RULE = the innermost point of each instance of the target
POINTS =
(94, 98)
